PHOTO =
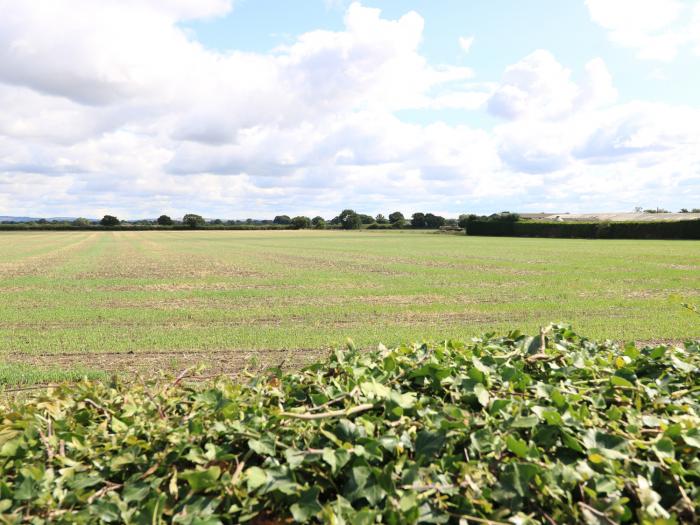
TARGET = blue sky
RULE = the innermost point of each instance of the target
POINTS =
(257, 107)
(503, 30)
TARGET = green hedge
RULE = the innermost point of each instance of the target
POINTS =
(511, 430)
(588, 230)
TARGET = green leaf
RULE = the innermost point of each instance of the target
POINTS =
(621, 381)
(692, 438)
(28, 489)
(200, 480)
(428, 444)
(264, 446)
(517, 476)
(525, 422)
(571, 442)
(294, 457)
(664, 448)
(482, 394)
(255, 477)
(517, 446)
(307, 506)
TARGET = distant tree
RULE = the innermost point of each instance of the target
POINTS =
(249, 221)
(282, 219)
(695, 210)
(335, 220)
(418, 220)
(110, 220)
(434, 221)
(193, 221)
(164, 220)
(42, 221)
(657, 210)
(216, 222)
(318, 222)
(380, 219)
(81, 222)
(638, 209)
(684, 210)
(396, 217)
(350, 220)
(506, 216)
(366, 219)
(301, 222)
(465, 219)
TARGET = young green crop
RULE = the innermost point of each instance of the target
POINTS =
(547, 429)
(141, 292)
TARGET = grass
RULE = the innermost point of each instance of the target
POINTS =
(80, 293)
(23, 374)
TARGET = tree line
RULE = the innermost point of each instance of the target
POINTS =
(347, 219)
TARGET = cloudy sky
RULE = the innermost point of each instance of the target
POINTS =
(249, 108)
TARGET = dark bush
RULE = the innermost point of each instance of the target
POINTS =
(350, 220)
(397, 216)
(434, 221)
(282, 219)
(418, 220)
(193, 221)
(301, 222)
(110, 220)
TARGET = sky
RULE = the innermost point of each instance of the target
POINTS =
(253, 108)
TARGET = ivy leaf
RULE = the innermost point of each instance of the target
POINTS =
(428, 444)
(307, 506)
(525, 422)
(482, 394)
(621, 381)
(255, 477)
(517, 446)
(201, 480)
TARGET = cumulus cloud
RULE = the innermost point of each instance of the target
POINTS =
(540, 87)
(120, 110)
(585, 147)
(656, 29)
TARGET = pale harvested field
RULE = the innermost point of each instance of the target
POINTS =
(137, 302)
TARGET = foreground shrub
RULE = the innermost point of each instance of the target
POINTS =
(499, 430)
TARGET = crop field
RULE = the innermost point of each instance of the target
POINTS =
(76, 303)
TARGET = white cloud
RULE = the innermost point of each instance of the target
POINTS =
(540, 87)
(656, 29)
(118, 109)
(466, 42)
(583, 149)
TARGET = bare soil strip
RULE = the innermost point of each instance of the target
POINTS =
(151, 364)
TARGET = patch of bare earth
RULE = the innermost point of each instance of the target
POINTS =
(152, 364)
(44, 263)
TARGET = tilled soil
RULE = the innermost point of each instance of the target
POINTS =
(152, 364)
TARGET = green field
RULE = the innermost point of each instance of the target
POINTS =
(147, 300)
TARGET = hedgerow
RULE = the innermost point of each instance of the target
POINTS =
(516, 429)
(687, 229)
